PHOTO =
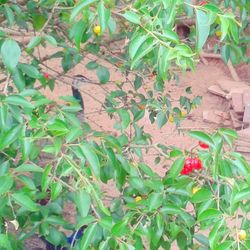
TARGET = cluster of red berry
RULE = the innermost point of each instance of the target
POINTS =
(193, 163)
(190, 165)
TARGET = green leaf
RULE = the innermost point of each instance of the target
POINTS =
(30, 70)
(25, 201)
(5, 242)
(18, 100)
(79, 7)
(77, 31)
(202, 195)
(224, 27)
(18, 79)
(137, 82)
(11, 53)
(103, 15)
(124, 117)
(213, 235)
(92, 158)
(51, 40)
(6, 184)
(209, 214)
(10, 136)
(132, 17)
(202, 28)
(225, 53)
(45, 181)
(242, 195)
(120, 228)
(202, 239)
(92, 65)
(83, 202)
(103, 74)
(201, 136)
(9, 15)
(58, 128)
(135, 44)
(234, 31)
(88, 236)
(55, 188)
(176, 167)
(28, 168)
(34, 42)
(154, 201)
(161, 119)
(147, 47)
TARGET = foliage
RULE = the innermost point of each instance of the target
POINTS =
(49, 158)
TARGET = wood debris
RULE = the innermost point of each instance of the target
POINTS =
(237, 94)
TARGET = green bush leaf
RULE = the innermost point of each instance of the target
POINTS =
(83, 202)
(34, 42)
(28, 168)
(92, 158)
(103, 74)
(10, 136)
(18, 79)
(202, 28)
(89, 234)
(18, 100)
(242, 195)
(132, 17)
(6, 184)
(209, 214)
(201, 136)
(176, 167)
(30, 70)
(25, 201)
(79, 7)
(103, 15)
(202, 195)
(124, 117)
(136, 43)
(11, 53)
(154, 201)
(161, 119)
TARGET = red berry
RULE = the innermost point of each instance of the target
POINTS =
(46, 75)
(203, 145)
(187, 168)
(197, 164)
(203, 3)
(190, 165)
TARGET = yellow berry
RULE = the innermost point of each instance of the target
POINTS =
(218, 33)
(242, 235)
(183, 113)
(195, 190)
(97, 30)
(171, 118)
(138, 198)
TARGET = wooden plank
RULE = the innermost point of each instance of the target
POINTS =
(216, 90)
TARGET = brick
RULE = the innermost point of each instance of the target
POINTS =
(246, 97)
(246, 116)
(228, 86)
(237, 102)
(237, 123)
(217, 117)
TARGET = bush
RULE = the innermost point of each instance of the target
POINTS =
(49, 157)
